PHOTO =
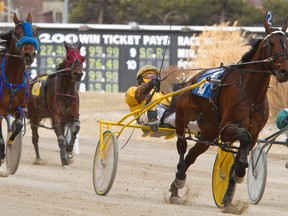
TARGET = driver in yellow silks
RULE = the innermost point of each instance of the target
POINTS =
(137, 96)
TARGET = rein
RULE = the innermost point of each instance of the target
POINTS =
(270, 59)
(7, 54)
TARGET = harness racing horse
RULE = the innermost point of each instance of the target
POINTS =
(18, 51)
(59, 101)
(238, 113)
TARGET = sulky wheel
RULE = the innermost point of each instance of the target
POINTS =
(13, 152)
(257, 175)
(220, 176)
(104, 170)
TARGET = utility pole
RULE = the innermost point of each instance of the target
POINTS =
(65, 15)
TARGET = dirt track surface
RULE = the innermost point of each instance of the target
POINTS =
(146, 169)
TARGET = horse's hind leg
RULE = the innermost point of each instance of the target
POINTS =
(69, 148)
(237, 171)
(227, 199)
(179, 180)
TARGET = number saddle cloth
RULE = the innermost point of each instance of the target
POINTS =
(211, 90)
(36, 90)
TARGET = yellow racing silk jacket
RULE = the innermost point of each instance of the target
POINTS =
(137, 96)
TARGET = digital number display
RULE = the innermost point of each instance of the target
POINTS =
(49, 57)
(103, 64)
(113, 57)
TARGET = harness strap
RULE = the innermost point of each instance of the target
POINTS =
(11, 86)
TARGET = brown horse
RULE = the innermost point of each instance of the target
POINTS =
(239, 112)
(18, 48)
(59, 101)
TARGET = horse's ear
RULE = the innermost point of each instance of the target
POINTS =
(16, 20)
(284, 27)
(267, 27)
(79, 45)
(66, 45)
(29, 18)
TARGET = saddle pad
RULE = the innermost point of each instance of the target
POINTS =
(205, 89)
(36, 88)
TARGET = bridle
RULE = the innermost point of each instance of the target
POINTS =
(272, 58)
(73, 56)
(27, 38)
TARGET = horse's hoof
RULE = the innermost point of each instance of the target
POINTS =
(237, 178)
(175, 200)
(226, 203)
(70, 158)
(3, 172)
(39, 162)
(286, 165)
(66, 167)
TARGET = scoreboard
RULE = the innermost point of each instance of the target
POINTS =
(113, 56)
(113, 53)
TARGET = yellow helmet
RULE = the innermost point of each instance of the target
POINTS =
(143, 70)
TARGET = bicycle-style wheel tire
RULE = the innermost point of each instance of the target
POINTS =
(256, 178)
(220, 176)
(104, 171)
(13, 154)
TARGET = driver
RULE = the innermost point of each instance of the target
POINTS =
(282, 120)
(143, 93)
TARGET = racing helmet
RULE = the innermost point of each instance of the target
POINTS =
(143, 70)
(282, 119)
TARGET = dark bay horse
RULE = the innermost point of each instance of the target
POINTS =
(58, 101)
(18, 51)
(238, 113)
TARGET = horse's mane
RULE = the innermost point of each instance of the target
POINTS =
(60, 66)
(254, 43)
(5, 39)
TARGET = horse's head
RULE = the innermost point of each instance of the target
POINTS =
(74, 61)
(24, 35)
(276, 45)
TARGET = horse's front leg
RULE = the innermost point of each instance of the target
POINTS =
(3, 171)
(15, 129)
(61, 142)
(2, 145)
(74, 131)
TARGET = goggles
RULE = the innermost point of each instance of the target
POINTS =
(149, 75)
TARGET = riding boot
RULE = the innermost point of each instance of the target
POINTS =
(152, 120)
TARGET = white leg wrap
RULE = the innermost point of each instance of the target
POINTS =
(179, 183)
(238, 179)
